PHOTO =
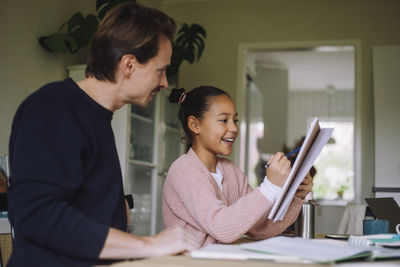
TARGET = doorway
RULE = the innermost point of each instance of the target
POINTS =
(299, 81)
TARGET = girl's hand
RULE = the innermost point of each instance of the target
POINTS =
(278, 169)
(305, 187)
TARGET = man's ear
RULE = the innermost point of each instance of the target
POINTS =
(193, 124)
(127, 64)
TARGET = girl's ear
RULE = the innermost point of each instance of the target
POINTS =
(193, 124)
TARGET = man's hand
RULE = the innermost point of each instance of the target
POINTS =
(173, 240)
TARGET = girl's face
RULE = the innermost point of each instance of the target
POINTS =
(218, 127)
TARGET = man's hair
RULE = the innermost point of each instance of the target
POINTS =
(127, 29)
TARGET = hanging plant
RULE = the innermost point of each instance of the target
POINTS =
(79, 30)
(188, 45)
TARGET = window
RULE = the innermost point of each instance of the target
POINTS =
(335, 165)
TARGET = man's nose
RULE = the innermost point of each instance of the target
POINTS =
(164, 81)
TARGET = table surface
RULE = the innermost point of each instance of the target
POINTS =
(187, 261)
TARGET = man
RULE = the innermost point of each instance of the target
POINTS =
(66, 199)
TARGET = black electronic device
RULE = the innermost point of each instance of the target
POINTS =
(385, 208)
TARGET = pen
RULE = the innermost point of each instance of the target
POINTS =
(287, 155)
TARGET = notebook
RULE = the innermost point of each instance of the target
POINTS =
(315, 140)
(385, 209)
(295, 249)
(235, 252)
(381, 240)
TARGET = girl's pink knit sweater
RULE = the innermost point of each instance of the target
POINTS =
(193, 200)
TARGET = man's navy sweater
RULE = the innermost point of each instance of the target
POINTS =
(66, 184)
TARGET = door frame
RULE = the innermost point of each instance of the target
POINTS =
(244, 48)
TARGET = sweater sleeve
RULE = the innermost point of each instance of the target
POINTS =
(265, 228)
(195, 189)
(47, 171)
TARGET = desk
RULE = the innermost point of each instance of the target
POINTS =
(186, 261)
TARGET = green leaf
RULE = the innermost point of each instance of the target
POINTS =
(183, 29)
(198, 29)
(84, 32)
(189, 56)
(75, 21)
(190, 41)
(59, 43)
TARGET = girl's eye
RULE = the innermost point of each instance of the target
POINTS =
(224, 121)
(236, 120)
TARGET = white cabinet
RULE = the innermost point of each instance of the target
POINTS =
(148, 141)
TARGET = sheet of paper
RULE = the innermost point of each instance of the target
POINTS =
(308, 249)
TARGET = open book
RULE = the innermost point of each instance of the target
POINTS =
(320, 250)
(296, 249)
(315, 140)
(235, 252)
(286, 249)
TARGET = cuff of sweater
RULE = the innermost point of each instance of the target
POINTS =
(269, 190)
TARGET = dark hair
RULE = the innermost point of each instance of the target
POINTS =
(195, 103)
(128, 28)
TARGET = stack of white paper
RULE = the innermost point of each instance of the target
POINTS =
(311, 250)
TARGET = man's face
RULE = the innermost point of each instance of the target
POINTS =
(149, 78)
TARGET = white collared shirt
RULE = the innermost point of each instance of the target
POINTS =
(218, 178)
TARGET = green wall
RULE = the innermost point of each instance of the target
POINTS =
(231, 22)
(25, 66)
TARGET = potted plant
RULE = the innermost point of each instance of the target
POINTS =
(188, 45)
(78, 32)
(341, 189)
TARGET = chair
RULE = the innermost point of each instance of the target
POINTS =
(5, 248)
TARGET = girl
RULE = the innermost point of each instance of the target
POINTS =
(209, 195)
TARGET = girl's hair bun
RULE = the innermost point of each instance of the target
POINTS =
(176, 95)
